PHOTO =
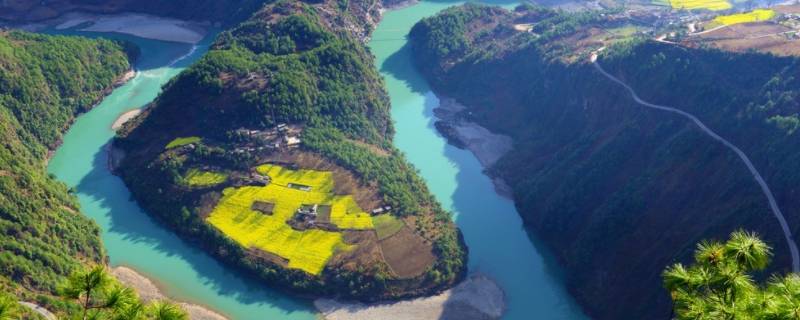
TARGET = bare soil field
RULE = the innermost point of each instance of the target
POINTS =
(407, 253)
(762, 36)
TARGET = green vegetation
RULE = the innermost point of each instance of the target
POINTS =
(720, 284)
(44, 82)
(198, 178)
(664, 184)
(291, 62)
(9, 308)
(386, 225)
(178, 142)
(102, 297)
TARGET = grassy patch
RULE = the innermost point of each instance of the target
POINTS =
(752, 16)
(714, 5)
(386, 225)
(199, 178)
(308, 250)
(182, 142)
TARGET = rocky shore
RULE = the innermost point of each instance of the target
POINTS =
(462, 133)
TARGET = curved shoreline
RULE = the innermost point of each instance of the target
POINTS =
(487, 146)
(125, 117)
(477, 297)
(148, 290)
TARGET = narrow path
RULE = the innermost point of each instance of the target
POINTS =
(764, 187)
(42, 311)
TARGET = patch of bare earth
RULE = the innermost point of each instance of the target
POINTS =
(148, 291)
(365, 252)
(407, 254)
(761, 36)
(258, 254)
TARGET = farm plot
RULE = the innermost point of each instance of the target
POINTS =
(714, 5)
(308, 250)
(177, 142)
(199, 178)
(752, 16)
(386, 225)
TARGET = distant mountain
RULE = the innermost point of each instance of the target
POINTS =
(619, 191)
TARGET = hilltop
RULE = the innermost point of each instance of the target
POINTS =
(274, 153)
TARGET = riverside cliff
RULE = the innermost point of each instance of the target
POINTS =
(616, 190)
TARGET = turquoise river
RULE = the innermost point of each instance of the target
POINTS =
(499, 245)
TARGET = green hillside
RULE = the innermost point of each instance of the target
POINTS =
(44, 82)
(617, 190)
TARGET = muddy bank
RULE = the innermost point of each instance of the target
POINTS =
(477, 298)
(148, 291)
(488, 147)
(125, 117)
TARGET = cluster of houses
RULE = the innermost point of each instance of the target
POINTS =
(280, 136)
(380, 210)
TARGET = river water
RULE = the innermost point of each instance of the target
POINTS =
(499, 245)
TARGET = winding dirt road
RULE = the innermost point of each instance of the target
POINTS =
(787, 233)
(42, 311)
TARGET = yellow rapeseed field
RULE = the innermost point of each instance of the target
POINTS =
(752, 16)
(715, 5)
(308, 250)
(198, 178)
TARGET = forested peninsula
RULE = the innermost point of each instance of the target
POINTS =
(619, 191)
(274, 154)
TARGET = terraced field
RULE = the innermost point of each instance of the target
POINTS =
(752, 16)
(308, 250)
(714, 5)
(199, 178)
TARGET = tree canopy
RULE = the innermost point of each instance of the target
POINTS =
(720, 284)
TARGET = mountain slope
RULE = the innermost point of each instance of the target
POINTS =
(617, 190)
(45, 81)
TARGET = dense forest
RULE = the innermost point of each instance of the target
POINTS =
(302, 64)
(616, 190)
(45, 81)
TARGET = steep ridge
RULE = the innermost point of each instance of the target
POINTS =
(757, 176)
(293, 72)
(617, 190)
(45, 81)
